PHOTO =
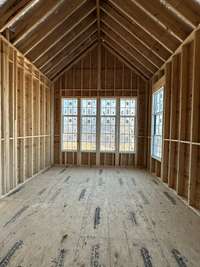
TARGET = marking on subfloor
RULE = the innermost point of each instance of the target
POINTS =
(41, 192)
(100, 181)
(67, 179)
(181, 260)
(146, 257)
(59, 262)
(100, 171)
(6, 260)
(17, 215)
(97, 217)
(173, 201)
(82, 194)
(95, 259)
(145, 200)
(132, 217)
(120, 181)
(63, 170)
(133, 181)
(55, 195)
(155, 181)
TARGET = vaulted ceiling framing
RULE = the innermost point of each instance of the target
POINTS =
(143, 34)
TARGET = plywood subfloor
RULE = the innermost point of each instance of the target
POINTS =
(97, 218)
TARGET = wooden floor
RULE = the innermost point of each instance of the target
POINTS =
(97, 218)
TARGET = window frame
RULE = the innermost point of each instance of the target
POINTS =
(62, 124)
(87, 116)
(98, 124)
(156, 92)
(135, 124)
(111, 116)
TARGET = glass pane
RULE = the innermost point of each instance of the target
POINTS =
(88, 107)
(127, 134)
(70, 106)
(127, 107)
(107, 134)
(157, 123)
(88, 133)
(108, 107)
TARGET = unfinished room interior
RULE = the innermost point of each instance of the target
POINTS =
(100, 133)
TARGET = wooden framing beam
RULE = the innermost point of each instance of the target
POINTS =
(189, 9)
(129, 48)
(195, 124)
(134, 42)
(126, 54)
(77, 59)
(44, 13)
(11, 11)
(73, 56)
(165, 16)
(120, 57)
(136, 31)
(66, 40)
(81, 39)
(157, 31)
(32, 18)
(98, 20)
(52, 30)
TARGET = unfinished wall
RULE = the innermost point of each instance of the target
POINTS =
(24, 119)
(116, 80)
(180, 166)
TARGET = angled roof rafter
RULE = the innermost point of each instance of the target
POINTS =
(76, 56)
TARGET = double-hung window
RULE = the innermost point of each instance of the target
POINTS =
(157, 124)
(108, 120)
(127, 125)
(69, 124)
(88, 124)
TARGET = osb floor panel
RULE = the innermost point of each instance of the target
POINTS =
(97, 218)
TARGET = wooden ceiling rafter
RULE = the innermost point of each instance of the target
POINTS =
(172, 22)
(11, 11)
(139, 46)
(136, 31)
(41, 49)
(148, 24)
(31, 19)
(73, 57)
(70, 65)
(126, 54)
(55, 50)
(189, 9)
(77, 42)
(123, 60)
(129, 48)
(52, 31)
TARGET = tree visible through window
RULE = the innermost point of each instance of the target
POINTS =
(127, 124)
(108, 119)
(88, 124)
(69, 124)
(157, 124)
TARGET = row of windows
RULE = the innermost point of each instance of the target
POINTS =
(85, 130)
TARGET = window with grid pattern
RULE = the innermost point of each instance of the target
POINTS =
(157, 124)
(108, 124)
(88, 124)
(69, 124)
(127, 125)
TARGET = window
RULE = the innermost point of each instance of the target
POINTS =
(107, 135)
(157, 124)
(127, 125)
(116, 119)
(88, 124)
(69, 124)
